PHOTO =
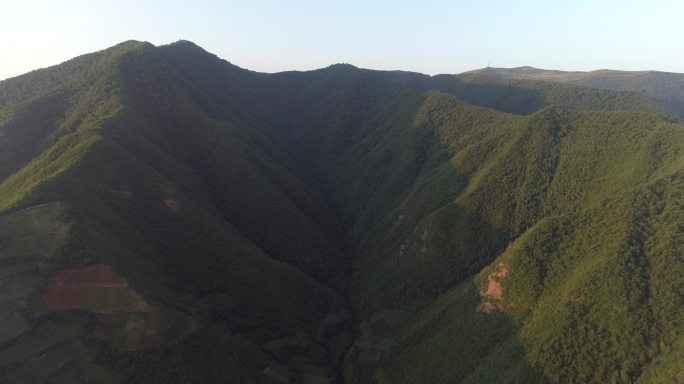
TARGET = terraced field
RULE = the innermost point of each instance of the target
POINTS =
(49, 320)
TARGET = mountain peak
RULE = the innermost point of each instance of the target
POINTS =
(342, 66)
(184, 44)
(129, 45)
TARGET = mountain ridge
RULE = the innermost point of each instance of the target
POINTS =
(340, 224)
(664, 87)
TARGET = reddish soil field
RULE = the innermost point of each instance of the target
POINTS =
(98, 289)
(95, 288)
(67, 297)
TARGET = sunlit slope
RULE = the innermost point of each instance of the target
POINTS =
(592, 205)
(664, 87)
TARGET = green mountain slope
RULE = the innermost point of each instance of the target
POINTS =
(144, 200)
(663, 87)
(587, 275)
(177, 219)
(527, 94)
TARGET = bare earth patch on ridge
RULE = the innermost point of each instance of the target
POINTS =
(492, 296)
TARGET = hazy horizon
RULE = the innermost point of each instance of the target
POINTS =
(432, 38)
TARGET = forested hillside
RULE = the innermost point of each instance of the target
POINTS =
(664, 87)
(169, 217)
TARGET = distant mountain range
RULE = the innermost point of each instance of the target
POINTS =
(664, 87)
(168, 217)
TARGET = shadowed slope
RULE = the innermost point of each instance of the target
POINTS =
(133, 154)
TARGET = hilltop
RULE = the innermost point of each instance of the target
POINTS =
(665, 87)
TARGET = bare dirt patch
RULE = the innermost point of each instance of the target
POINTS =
(96, 288)
(424, 235)
(124, 318)
(172, 204)
(58, 298)
(414, 244)
(492, 296)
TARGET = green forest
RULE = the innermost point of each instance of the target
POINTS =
(341, 225)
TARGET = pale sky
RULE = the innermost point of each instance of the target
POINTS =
(430, 36)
